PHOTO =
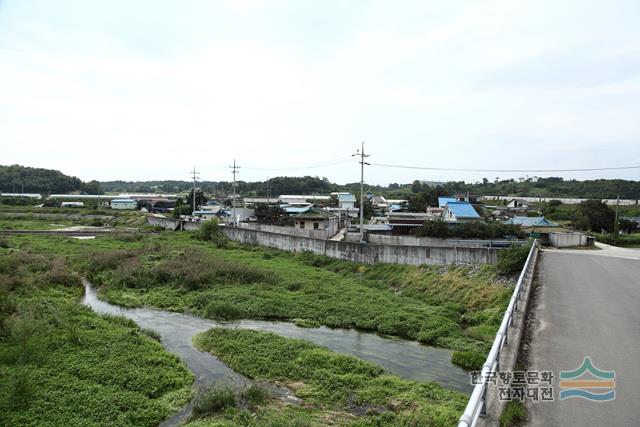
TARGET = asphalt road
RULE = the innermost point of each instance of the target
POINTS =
(589, 305)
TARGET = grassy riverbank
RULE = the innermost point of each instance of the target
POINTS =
(336, 389)
(62, 364)
(452, 307)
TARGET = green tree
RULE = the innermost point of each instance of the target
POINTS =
(92, 187)
(269, 214)
(594, 215)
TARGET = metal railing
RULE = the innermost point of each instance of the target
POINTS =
(477, 405)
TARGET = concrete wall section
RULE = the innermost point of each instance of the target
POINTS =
(167, 223)
(366, 253)
(380, 239)
(567, 240)
(291, 231)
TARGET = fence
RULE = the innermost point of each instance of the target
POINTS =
(477, 405)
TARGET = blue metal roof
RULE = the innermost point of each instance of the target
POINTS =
(346, 197)
(462, 210)
(442, 201)
(536, 221)
(123, 201)
(295, 209)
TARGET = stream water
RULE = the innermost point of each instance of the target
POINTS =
(408, 359)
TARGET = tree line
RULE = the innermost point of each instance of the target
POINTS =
(18, 179)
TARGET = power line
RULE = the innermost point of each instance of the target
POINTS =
(385, 165)
(309, 166)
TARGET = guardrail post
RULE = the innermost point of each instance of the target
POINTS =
(483, 402)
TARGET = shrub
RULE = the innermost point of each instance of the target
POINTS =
(437, 327)
(151, 334)
(120, 320)
(306, 323)
(4, 243)
(512, 260)
(397, 323)
(294, 286)
(210, 232)
(109, 260)
(127, 237)
(470, 359)
(631, 240)
(513, 414)
(211, 401)
(255, 395)
(22, 387)
(468, 230)
(222, 311)
(313, 260)
(73, 334)
(58, 273)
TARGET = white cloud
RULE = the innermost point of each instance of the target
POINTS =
(415, 92)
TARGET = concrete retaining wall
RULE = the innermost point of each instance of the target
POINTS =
(291, 231)
(365, 253)
(567, 240)
(167, 223)
(379, 239)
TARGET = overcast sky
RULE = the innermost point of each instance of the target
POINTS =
(141, 90)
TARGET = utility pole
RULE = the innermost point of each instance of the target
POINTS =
(195, 176)
(616, 225)
(360, 153)
(268, 192)
(233, 203)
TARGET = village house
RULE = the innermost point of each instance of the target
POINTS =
(124, 204)
(443, 200)
(316, 219)
(517, 204)
(459, 212)
(346, 200)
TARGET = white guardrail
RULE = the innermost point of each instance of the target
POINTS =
(477, 405)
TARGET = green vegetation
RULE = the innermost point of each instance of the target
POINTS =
(468, 230)
(512, 260)
(624, 240)
(336, 389)
(433, 304)
(62, 364)
(37, 180)
(514, 414)
(210, 401)
(471, 360)
(210, 232)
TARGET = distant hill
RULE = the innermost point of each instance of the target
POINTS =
(43, 181)
(545, 187)
(47, 181)
(277, 186)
